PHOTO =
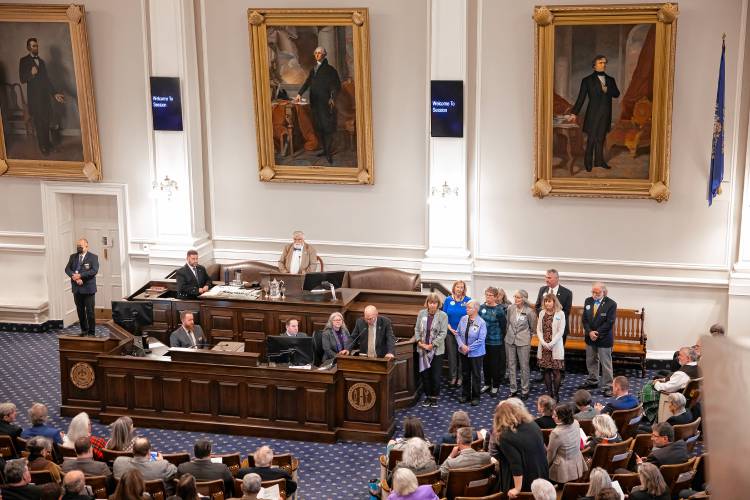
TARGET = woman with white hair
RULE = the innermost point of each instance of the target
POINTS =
(605, 432)
(521, 325)
(470, 337)
(335, 337)
(406, 487)
(543, 490)
(598, 480)
(417, 457)
(680, 415)
(80, 426)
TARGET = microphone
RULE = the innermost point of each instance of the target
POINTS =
(333, 289)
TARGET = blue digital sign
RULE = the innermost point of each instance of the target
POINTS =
(166, 104)
(447, 108)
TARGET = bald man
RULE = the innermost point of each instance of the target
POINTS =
(82, 268)
(373, 335)
(75, 486)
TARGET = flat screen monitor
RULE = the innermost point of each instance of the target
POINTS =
(166, 103)
(131, 314)
(314, 280)
(292, 350)
(447, 108)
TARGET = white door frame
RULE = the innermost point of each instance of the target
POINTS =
(57, 253)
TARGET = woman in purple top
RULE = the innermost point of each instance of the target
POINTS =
(405, 487)
(335, 337)
(455, 307)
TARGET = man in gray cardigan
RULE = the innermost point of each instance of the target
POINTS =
(463, 455)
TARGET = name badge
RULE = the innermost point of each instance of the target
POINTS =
(588, 307)
(87, 266)
(475, 328)
(453, 302)
(484, 311)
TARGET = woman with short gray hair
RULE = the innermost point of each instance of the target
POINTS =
(335, 337)
(680, 414)
(521, 325)
(8, 414)
(470, 337)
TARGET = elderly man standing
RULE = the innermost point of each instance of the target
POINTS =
(298, 257)
(374, 334)
(599, 314)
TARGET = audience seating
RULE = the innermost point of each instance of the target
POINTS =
(587, 426)
(630, 337)
(688, 432)
(605, 455)
(495, 496)
(445, 452)
(692, 392)
(21, 447)
(571, 491)
(111, 455)
(678, 476)
(470, 482)
(321, 267)
(624, 420)
(176, 458)
(232, 461)
(284, 461)
(627, 481)
(433, 479)
(281, 483)
(642, 445)
(41, 477)
(394, 456)
(7, 448)
(382, 278)
(214, 490)
(64, 451)
(98, 485)
(156, 488)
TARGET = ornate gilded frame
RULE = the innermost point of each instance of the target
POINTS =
(90, 168)
(268, 170)
(546, 18)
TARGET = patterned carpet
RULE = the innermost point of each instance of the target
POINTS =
(30, 372)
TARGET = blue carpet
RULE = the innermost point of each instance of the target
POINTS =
(30, 372)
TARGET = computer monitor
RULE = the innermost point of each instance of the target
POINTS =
(314, 280)
(132, 315)
(292, 350)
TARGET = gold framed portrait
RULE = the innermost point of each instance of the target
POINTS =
(311, 90)
(603, 100)
(48, 122)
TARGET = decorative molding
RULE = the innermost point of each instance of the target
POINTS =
(31, 313)
(319, 243)
(603, 262)
(22, 242)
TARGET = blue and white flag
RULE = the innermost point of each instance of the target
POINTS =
(716, 175)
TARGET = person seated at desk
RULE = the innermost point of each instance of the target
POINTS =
(192, 278)
(335, 337)
(292, 329)
(298, 257)
(375, 334)
(189, 334)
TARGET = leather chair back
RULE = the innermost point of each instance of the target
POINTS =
(383, 278)
(250, 269)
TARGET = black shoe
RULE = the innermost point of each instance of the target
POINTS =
(322, 153)
(539, 380)
(588, 168)
(525, 396)
(462, 400)
(433, 403)
(330, 159)
(588, 385)
(605, 166)
(513, 394)
(426, 403)
(474, 402)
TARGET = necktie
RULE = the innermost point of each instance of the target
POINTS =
(596, 306)
(80, 259)
(195, 273)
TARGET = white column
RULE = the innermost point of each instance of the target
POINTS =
(739, 276)
(170, 37)
(448, 256)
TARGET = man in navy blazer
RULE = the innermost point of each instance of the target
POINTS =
(192, 278)
(82, 268)
(384, 343)
(599, 314)
(565, 296)
(623, 399)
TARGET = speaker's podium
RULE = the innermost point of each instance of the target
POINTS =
(366, 390)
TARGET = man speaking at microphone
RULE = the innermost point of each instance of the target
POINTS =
(188, 334)
(374, 334)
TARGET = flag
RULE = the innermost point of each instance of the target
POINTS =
(716, 173)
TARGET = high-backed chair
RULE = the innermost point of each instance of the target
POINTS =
(233, 463)
(41, 477)
(98, 485)
(176, 458)
(7, 447)
(688, 432)
(445, 451)
(111, 455)
(382, 278)
(627, 421)
(587, 426)
(265, 484)
(470, 482)
(251, 270)
(156, 488)
(679, 476)
(611, 456)
(571, 491)
(214, 490)
(627, 481)
(495, 496)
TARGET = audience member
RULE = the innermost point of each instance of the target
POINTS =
(623, 399)
(75, 486)
(493, 314)
(543, 490)
(716, 330)
(417, 457)
(598, 480)
(564, 296)
(263, 459)
(187, 490)
(335, 337)
(598, 318)
(430, 331)
(79, 426)
(17, 482)
(459, 419)
(40, 457)
(550, 353)
(545, 405)
(521, 324)
(203, 469)
(374, 334)
(463, 455)
(582, 400)
(85, 462)
(455, 307)
(412, 429)
(292, 329)
(605, 432)
(472, 332)
(405, 487)
(122, 435)
(141, 460)
(250, 486)
(189, 334)
(131, 486)
(680, 415)
(564, 456)
(652, 487)
(678, 380)
(38, 417)
(608, 494)
(666, 450)
(192, 278)
(8, 413)
(298, 257)
(518, 446)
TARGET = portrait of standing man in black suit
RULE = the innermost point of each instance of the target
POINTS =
(82, 268)
(40, 92)
(600, 88)
(192, 278)
(324, 84)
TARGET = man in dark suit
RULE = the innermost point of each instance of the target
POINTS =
(203, 469)
(599, 314)
(74, 484)
(39, 91)
(623, 399)
(600, 88)
(192, 278)
(565, 296)
(188, 334)
(82, 268)
(324, 84)
(375, 334)
(18, 485)
(666, 450)
(263, 458)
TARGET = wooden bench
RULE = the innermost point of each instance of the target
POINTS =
(630, 337)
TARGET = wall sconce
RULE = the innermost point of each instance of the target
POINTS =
(444, 191)
(167, 185)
